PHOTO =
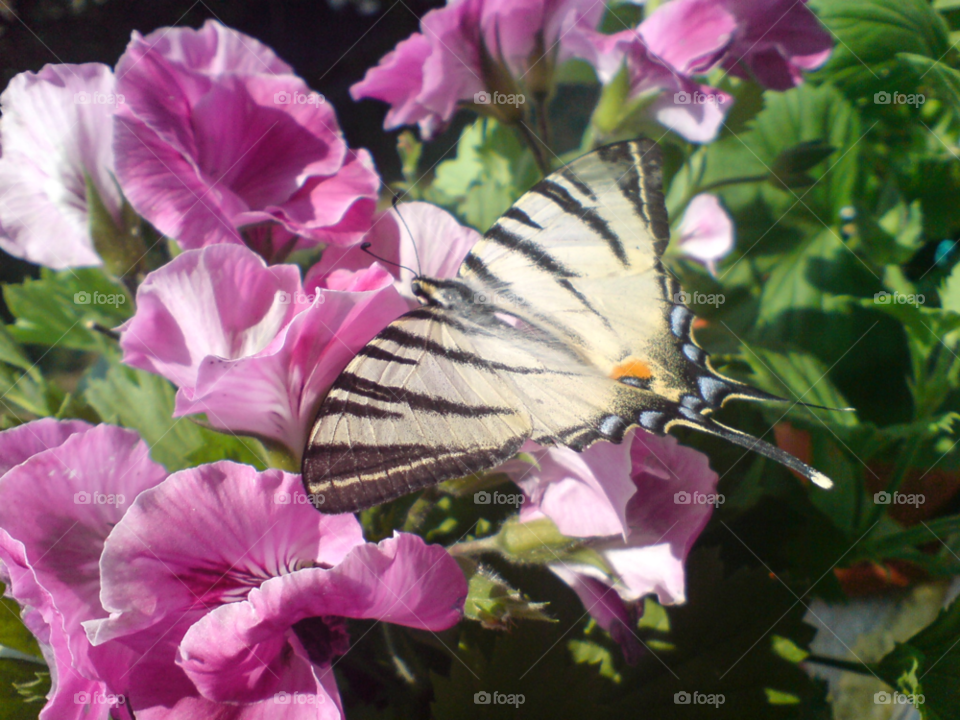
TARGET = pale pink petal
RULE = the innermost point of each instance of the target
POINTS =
(585, 494)
(689, 35)
(61, 503)
(287, 380)
(220, 302)
(706, 231)
(20, 443)
(57, 127)
(397, 80)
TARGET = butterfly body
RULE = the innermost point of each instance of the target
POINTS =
(561, 327)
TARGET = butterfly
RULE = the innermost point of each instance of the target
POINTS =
(562, 326)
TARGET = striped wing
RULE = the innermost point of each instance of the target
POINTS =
(562, 326)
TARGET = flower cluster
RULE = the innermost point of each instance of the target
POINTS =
(205, 589)
(209, 592)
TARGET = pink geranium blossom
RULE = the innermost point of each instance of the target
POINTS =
(429, 74)
(247, 607)
(56, 130)
(643, 503)
(706, 231)
(218, 142)
(64, 487)
(234, 334)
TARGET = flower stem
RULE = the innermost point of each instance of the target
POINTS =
(536, 145)
(474, 547)
(848, 665)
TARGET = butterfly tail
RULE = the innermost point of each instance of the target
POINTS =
(764, 448)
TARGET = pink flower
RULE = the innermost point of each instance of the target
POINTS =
(690, 109)
(417, 235)
(770, 40)
(706, 231)
(644, 502)
(234, 333)
(776, 40)
(469, 47)
(66, 484)
(56, 129)
(247, 607)
(218, 142)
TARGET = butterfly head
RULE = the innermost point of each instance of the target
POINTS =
(442, 293)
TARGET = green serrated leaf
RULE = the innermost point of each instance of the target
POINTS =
(591, 653)
(143, 401)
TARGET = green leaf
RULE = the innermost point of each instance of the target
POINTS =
(144, 401)
(492, 601)
(12, 353)
(492, 169)
(591, 653)
(792, 165)
(118, 242)
(944, 79)
(869, 33)
(61, 307)
(22, 690)
(928, 664)
(14, 634)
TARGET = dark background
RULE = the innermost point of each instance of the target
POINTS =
(329, 43)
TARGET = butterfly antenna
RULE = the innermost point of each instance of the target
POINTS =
(416, 253)
(365, 247)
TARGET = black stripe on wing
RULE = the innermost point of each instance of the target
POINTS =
(590, 217)
(355, 385)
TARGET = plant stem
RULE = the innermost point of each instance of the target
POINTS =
(848, 665)
(536, 145)
(474, 547)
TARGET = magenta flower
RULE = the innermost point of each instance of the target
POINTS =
(430, 74)
(66, 484)
(234, 333)
(417, 235)
(218, 142)
(57, 128)
(706, 231)
(247, 607)
(644, 502)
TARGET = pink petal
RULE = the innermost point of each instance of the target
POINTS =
(177, 550)
(585, 494)
(706, 231)
(401, 580)
(220, 302)
(689, 35)
(94, 476)
(22, 442)
(417, 235)
(57, 126)
(287, 380)
(215, 49)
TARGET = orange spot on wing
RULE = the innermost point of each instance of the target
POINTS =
(631, 367)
